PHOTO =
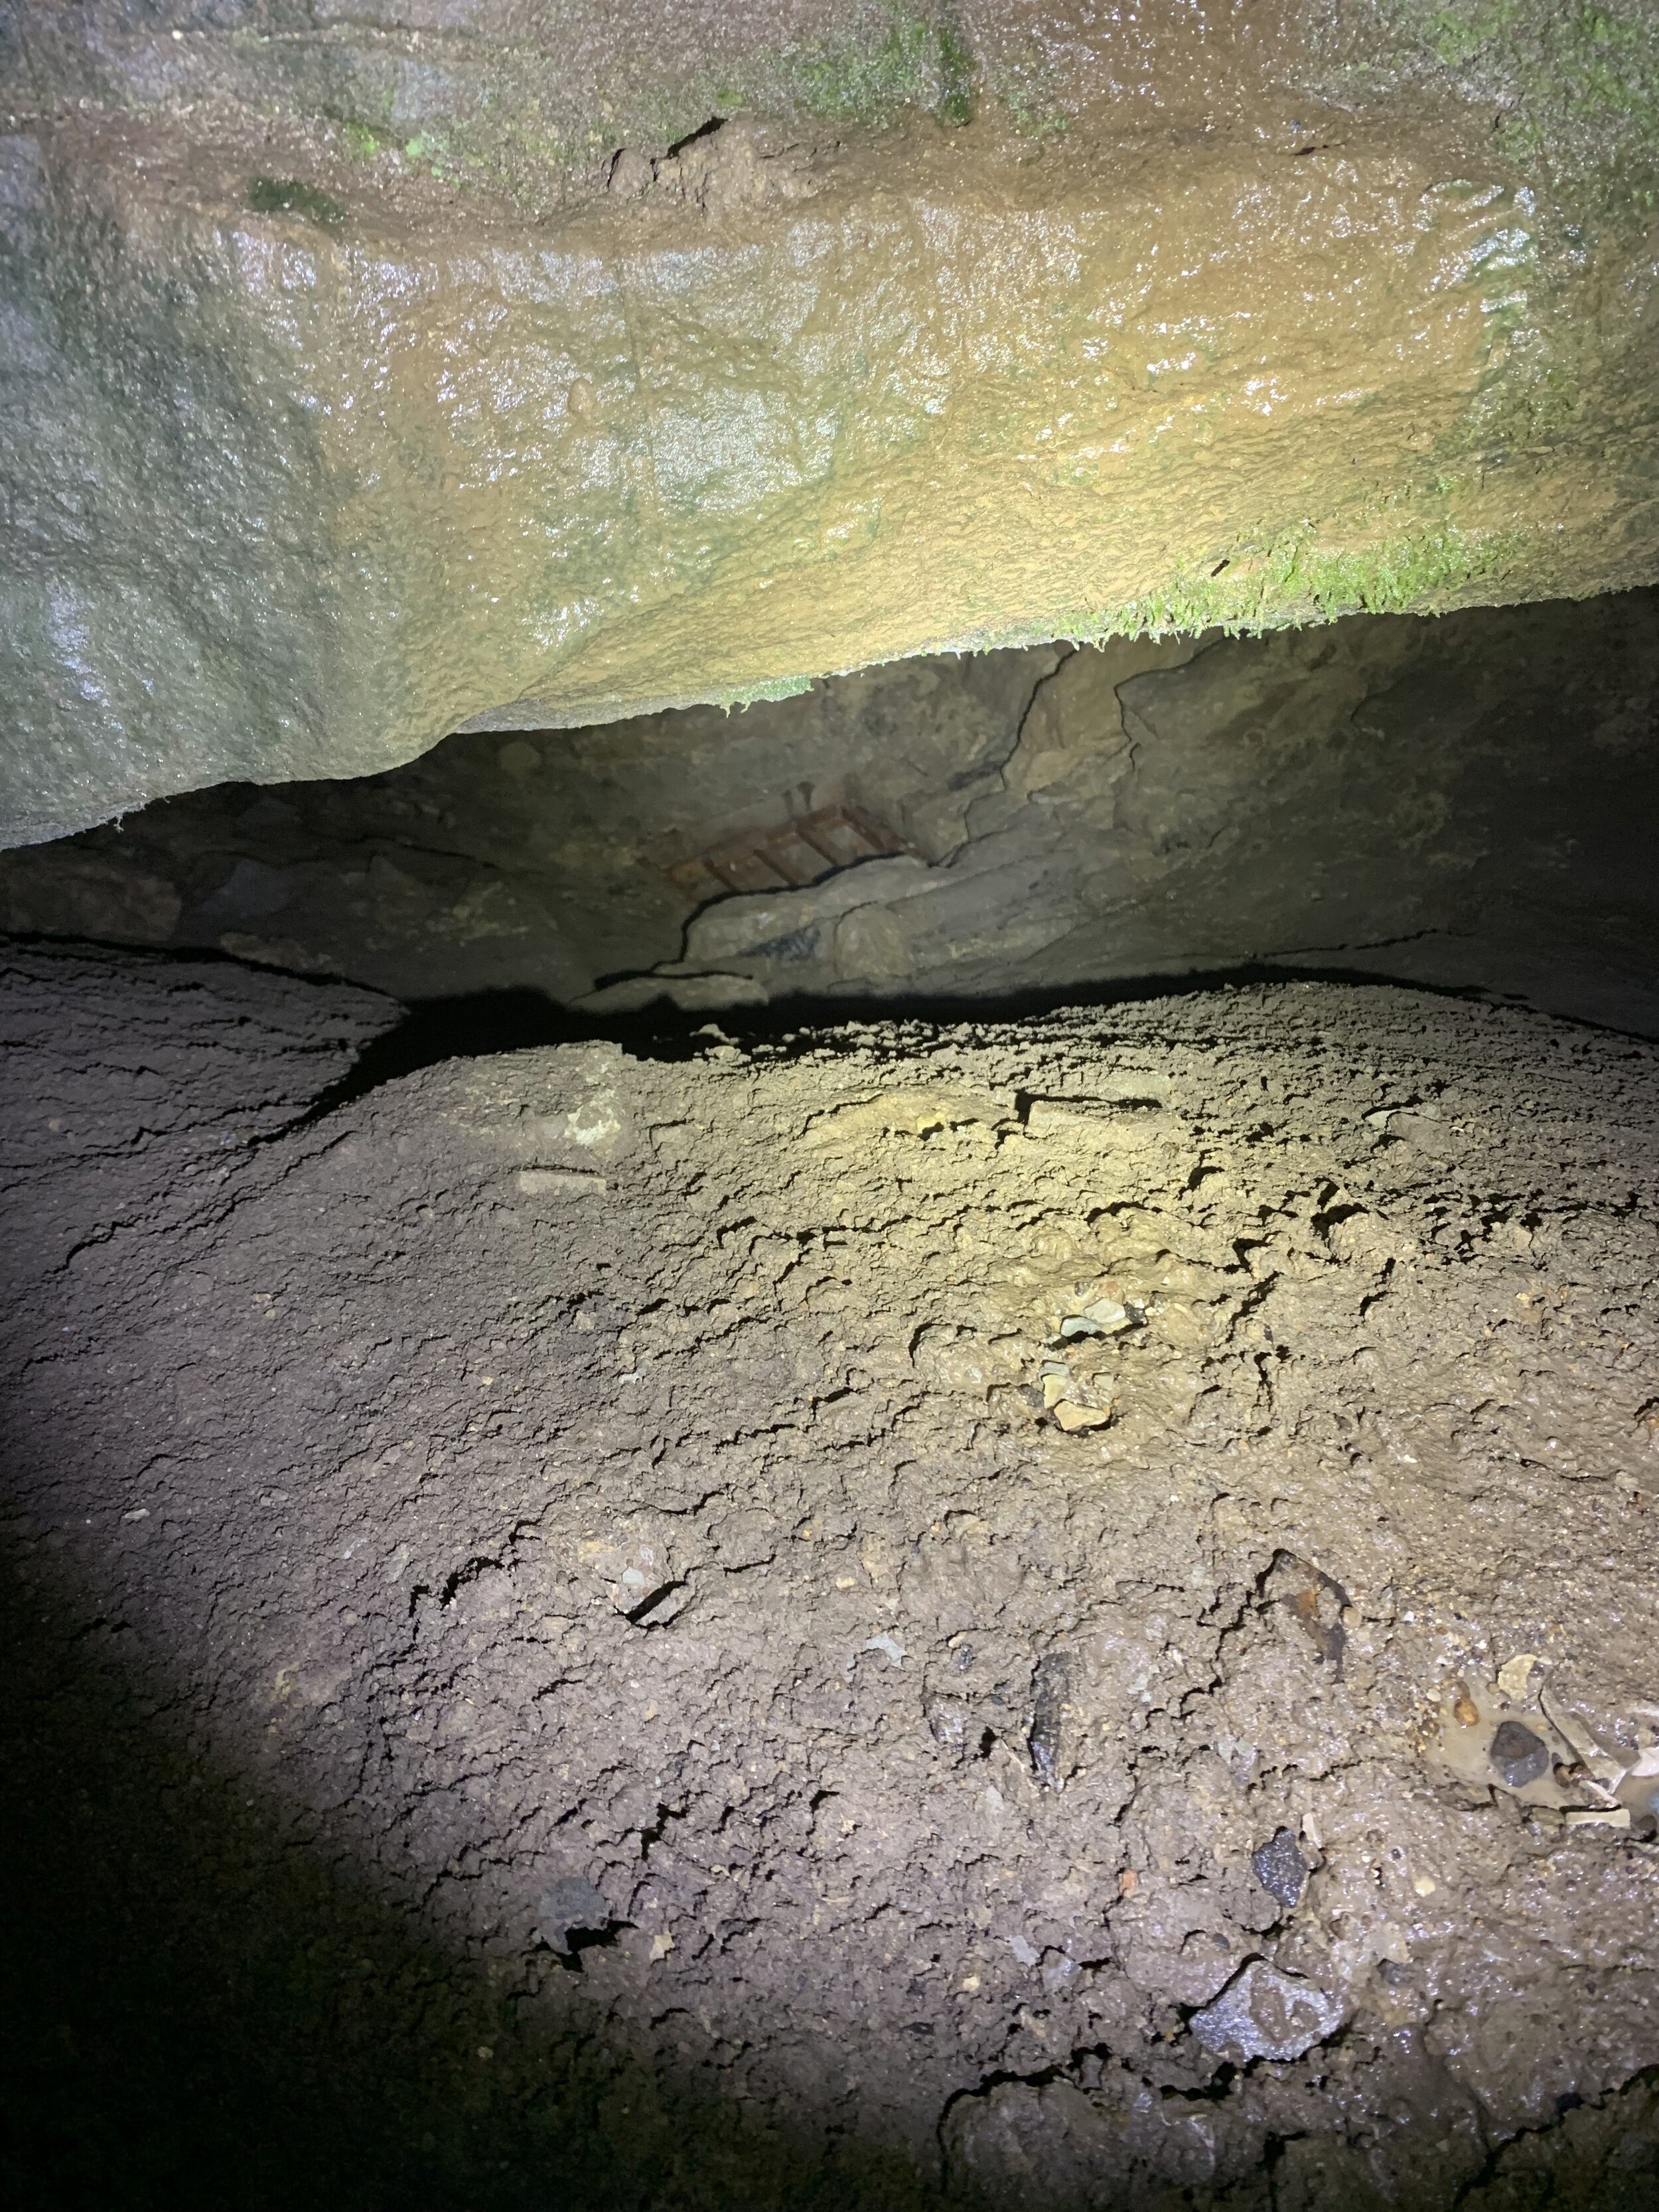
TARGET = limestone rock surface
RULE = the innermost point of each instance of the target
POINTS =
(374, 368)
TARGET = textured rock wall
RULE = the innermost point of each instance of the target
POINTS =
(1463, 801)
(376, 369)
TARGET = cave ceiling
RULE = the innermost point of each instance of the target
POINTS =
(376, 368)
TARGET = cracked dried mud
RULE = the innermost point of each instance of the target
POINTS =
(908, 1615)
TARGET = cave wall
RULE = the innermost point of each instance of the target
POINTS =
(375, 369)
(1461, 800)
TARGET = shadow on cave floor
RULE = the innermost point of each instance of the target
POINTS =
(198, 2006)
(473, 1025)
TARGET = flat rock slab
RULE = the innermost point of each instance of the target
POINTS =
(640, 1684)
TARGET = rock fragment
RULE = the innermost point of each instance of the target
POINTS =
(1262, 2014)
(1280, 1869)
(1517, 1756)
(1051, 1685)
(1073, 1418)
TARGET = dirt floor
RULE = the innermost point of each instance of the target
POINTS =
(1054, 1613)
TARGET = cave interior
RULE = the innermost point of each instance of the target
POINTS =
(830, 1145)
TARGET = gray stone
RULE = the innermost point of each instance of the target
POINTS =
(1517, 1756)
(1280, 1869)
(1262, 2014)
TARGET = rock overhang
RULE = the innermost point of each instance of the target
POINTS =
(323, 446)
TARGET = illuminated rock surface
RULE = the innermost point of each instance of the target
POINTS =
(372, 368)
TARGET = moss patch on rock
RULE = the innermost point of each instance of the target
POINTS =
(1294, 579)
(289, 196)
(1574, 87)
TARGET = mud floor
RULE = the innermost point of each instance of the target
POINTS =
(1056, 1613)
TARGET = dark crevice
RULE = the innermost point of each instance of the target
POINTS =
(463, 1575)
(478, 1024)
(708, 130)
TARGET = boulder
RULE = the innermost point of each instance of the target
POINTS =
(375, 368)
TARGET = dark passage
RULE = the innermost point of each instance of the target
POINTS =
(1464, 802)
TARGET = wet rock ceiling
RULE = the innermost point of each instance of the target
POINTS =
(377, 367)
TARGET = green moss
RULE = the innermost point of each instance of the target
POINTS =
(1294, 581)
(1029, 85)
(287, 196)
(956, 74)
(1521, 413)
(1035, 115)
(1458, 34)
(453, 158)
(921, 62)
(1579, 85)
(781, 687)
(507, 121)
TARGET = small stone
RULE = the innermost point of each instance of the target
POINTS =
(1280, 1869)
(948, 1726)
(1515, 1674)
(1051, 1683)
(1517, 1756)
(1639, 1792)
(1104, 1317)
(1262, 2014)
(1072, 1417)
(1465, 1712)
(1109, 1315)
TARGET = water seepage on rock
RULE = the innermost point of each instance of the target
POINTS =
(364, 382)
(1262, 2014)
